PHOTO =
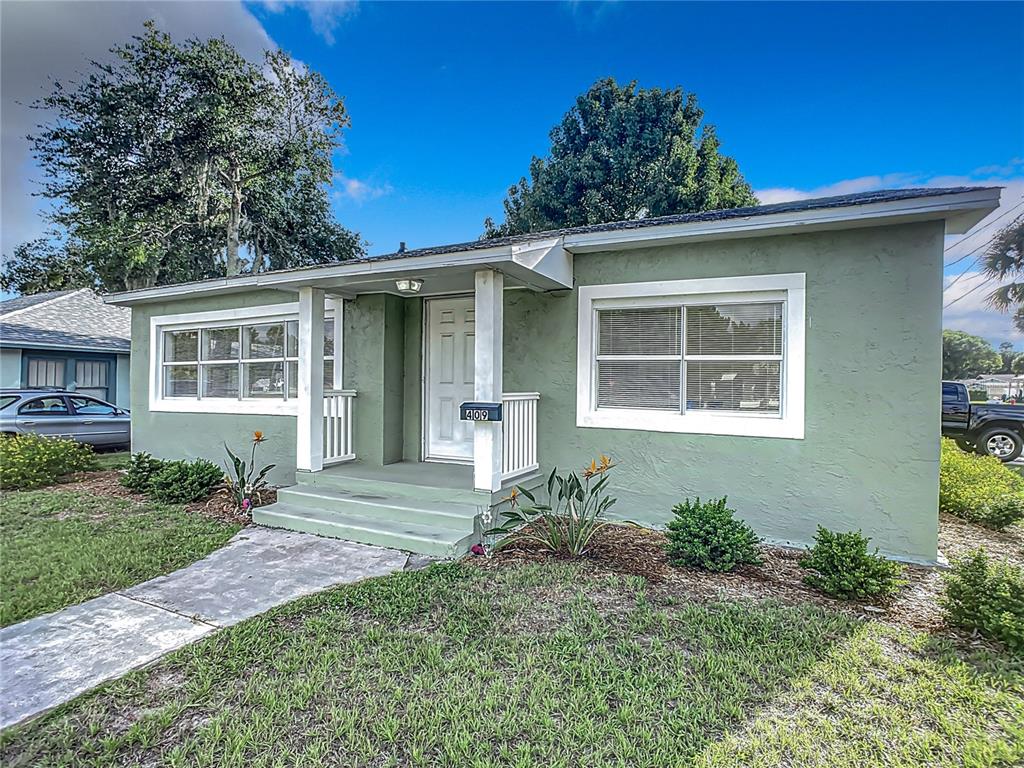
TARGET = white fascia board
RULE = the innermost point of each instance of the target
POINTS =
(326, 277)
(547, 264)
(961, 211)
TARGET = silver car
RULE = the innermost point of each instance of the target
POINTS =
(59, 413)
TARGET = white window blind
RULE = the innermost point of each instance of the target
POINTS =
(733, 357)
(639, 358)
(46, 373)
(725, 357)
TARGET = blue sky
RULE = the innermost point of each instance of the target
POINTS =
(449, 101)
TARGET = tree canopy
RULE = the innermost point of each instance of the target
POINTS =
(965, 356)
(1005, 259)
(623, 152)
(185, 161)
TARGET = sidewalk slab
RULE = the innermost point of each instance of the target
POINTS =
(50, 659)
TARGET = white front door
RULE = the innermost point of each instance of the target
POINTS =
(449, 379)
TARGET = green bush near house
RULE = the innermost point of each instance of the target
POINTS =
(978, 395)
(184, 481)
(31, 461)
(986, 596)
(841, 566)
(141, 470)
(707, 535)
(979, 489)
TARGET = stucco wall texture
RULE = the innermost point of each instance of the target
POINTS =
(869, 458)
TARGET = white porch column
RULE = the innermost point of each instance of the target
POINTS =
(310, 426)
(487, 377)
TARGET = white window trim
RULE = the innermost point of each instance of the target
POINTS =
(789, 288)
(241, 315)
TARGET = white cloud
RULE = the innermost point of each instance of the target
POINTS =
(43, 41)
(325, 16)
(358, 190)
(972, 312)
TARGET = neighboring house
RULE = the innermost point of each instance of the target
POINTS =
(787, 356)
(997, 386)
(66, 339)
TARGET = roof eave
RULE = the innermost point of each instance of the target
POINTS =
(960, 210)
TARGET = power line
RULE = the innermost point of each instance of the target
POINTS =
(982, 284)
(1003, 215)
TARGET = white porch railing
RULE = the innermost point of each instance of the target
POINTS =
(338, 425)
(519, 433)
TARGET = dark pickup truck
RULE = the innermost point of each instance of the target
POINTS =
(996, 430)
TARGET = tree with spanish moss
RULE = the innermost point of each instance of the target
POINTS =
(623, 152)
(183, 161)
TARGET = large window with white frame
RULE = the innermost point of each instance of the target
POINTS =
(718, 356)
(223, 362)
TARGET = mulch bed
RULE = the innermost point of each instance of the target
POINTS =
(628, 550)
(108, 483)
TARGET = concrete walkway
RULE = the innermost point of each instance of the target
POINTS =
(51, 659)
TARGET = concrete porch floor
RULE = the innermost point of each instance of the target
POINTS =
(429, 474)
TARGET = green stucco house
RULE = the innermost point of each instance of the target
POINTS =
(788, 356)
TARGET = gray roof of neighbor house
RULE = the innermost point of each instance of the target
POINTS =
(72, 320)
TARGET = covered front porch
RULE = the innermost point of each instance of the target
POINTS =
(382, 455)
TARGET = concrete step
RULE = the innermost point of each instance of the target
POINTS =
(371, 486)
(375, 506)
(422, 539)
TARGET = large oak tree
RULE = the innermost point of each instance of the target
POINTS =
(620, 153)
(185, 161)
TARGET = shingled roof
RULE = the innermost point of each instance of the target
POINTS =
(72, 320)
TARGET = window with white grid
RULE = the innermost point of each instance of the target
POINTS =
(235, 361)
(723, 355)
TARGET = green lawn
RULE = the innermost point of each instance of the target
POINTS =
(543, 665)
(60, 548)
(113, 460)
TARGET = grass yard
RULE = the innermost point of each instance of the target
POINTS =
(113, 460)
(61, 547)
(548, 664)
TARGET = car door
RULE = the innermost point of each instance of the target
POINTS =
(956, 409)
(48, 415)
(99, 423)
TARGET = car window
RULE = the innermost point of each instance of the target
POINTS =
(6, 400)
(950, 393)
(44, 406)
(86, 405)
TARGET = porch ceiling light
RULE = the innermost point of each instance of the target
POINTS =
(408, 285)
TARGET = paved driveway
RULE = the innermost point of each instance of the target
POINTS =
(50, 659)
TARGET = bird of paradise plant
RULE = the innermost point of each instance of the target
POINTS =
(247, 482)
(573, 515)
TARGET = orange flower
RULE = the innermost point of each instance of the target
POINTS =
(257, 437)
(513, 497)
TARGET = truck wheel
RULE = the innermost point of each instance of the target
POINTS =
(966, 445)
(1003, 443)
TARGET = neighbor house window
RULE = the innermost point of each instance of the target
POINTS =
(43, 372)
(720, 356)
(239, 360)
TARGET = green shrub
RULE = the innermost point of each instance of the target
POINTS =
(979, 489)
(987, 596)
(31, 461)
(706, 535)
(184, 481)
(978, 395)
(842, 567)
(141, 470)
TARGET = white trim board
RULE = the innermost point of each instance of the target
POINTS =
(789, 288)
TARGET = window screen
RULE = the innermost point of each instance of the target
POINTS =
(724, 357)
(639, 358)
